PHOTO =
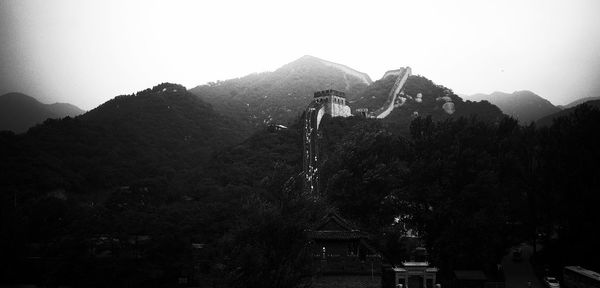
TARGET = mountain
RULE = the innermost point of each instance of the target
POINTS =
(65, 109)
(154, 134)
(547, 121)
(282, 95)
(373, 96)
(421, 97)
(19, 112)
(579, 101)
(168, 112)
(525, 105)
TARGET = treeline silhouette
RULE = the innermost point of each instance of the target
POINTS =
(472, 189)
(134, 193)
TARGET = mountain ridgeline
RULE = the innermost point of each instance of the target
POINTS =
(422, 98)
(579, 101)
(162, 131)
(282, 95)
(169, 184)
(524, 106)
(148, 135)
(19, 112)
(548, 120)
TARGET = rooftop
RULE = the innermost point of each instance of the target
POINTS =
(414, 263)
(333, 226)
(337, 235)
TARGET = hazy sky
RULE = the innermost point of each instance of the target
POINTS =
(86, 52)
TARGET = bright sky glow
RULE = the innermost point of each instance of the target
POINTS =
(86, 52)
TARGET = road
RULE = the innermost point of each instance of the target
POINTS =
(519, 273)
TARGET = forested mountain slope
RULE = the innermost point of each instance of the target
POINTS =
(149, 135)
(282, 95)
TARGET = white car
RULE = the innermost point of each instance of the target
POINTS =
(551, 282)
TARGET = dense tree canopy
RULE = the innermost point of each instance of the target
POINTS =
(146, 184)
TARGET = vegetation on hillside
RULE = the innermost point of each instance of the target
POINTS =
(374, 96)
(276, 97)
(154, 134)
(472, 188)
(548, 120)
(433, 97)
(155, 187)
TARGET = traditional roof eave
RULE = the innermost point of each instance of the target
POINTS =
(338, 219)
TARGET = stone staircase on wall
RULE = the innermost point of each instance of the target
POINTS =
(310, 152)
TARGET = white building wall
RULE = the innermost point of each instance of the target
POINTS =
(337, 107)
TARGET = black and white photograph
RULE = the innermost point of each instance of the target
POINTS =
(300, 144)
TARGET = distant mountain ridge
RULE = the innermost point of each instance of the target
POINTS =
(547, 121)
(152, 133)
(282, 96)
(579, 101)
(525, 106)
(422, 97)
(19, 112)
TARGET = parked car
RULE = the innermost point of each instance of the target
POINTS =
(551, 282)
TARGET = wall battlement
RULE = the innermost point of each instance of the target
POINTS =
(330, 92)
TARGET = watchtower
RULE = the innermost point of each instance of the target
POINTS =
(334, 102)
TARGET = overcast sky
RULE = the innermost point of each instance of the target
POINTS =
(87, 52)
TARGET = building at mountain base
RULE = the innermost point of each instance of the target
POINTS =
(411, 274)
(343, 256)
(339, 247)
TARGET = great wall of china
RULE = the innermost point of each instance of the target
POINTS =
(333, 103)
(388, 107)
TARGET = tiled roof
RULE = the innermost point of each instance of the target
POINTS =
(347, 230)
(342, 235)
(338, 219)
